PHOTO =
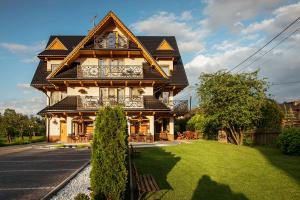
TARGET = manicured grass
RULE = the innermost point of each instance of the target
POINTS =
(211, 170)
(17, 140)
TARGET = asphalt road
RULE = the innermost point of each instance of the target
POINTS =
(31, 174)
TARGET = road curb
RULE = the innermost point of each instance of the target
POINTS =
(53, 192)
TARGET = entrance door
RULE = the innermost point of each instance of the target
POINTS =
(63, 132)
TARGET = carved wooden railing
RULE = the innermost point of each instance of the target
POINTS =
(110, 71)
(94, 102)
(111, 42)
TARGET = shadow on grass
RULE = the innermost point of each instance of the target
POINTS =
(158, 163)
(289, 164)
(209, 189)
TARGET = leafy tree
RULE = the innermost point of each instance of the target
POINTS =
(23, 123)
(272, 117)
(206, 125)
(234, 100)
(109, 173)
(10, 123)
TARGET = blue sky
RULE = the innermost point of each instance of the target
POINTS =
(212, 35)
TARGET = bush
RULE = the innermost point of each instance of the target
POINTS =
(81, 196)
(289, 141)
(205, 125)
(109, 173)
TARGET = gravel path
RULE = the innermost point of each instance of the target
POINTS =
(79, 184)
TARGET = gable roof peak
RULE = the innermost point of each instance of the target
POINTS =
(94, 30)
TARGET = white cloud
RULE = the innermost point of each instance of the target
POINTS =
(282, 16)
(186, 15)
(29, 106)
(231, 13)
(224, 46)
(165, 23)
(26, 52)
(26, 88)
(278, 66)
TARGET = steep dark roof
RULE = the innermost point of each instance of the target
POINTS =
(150, 42)
(151, 103)
(39, 77)
(70, 104)
(69, 41)
(178, 75)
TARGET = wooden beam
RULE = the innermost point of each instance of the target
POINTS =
(45, 88)
(66, 83)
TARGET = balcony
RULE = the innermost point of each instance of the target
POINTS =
(94, 102)
(111, 41)
(110, 72)
(179, 107)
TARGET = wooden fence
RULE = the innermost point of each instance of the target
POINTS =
(265, 138)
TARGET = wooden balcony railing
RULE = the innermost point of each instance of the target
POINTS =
(110, 71)
(111, 42)
(94, 102)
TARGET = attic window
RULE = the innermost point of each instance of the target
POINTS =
(166, 69)
(54, 66)
(165, 46)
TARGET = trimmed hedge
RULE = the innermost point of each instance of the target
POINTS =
(289, 141)
(109, 173)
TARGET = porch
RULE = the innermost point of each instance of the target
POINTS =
(80, 129)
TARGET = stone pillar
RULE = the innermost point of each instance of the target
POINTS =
(69, 125)
(171, 129)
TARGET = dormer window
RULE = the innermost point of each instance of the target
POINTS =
(166, 69)
(54, 66)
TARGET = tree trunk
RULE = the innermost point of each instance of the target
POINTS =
(236, 136)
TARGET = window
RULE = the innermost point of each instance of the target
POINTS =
(54, 66)
(166, 69)
(116, 62)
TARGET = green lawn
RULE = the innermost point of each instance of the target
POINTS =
(17, 140)
(211, 170)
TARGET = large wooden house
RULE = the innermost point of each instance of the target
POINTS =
(107, 67)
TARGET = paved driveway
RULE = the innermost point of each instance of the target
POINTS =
(31, 174)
